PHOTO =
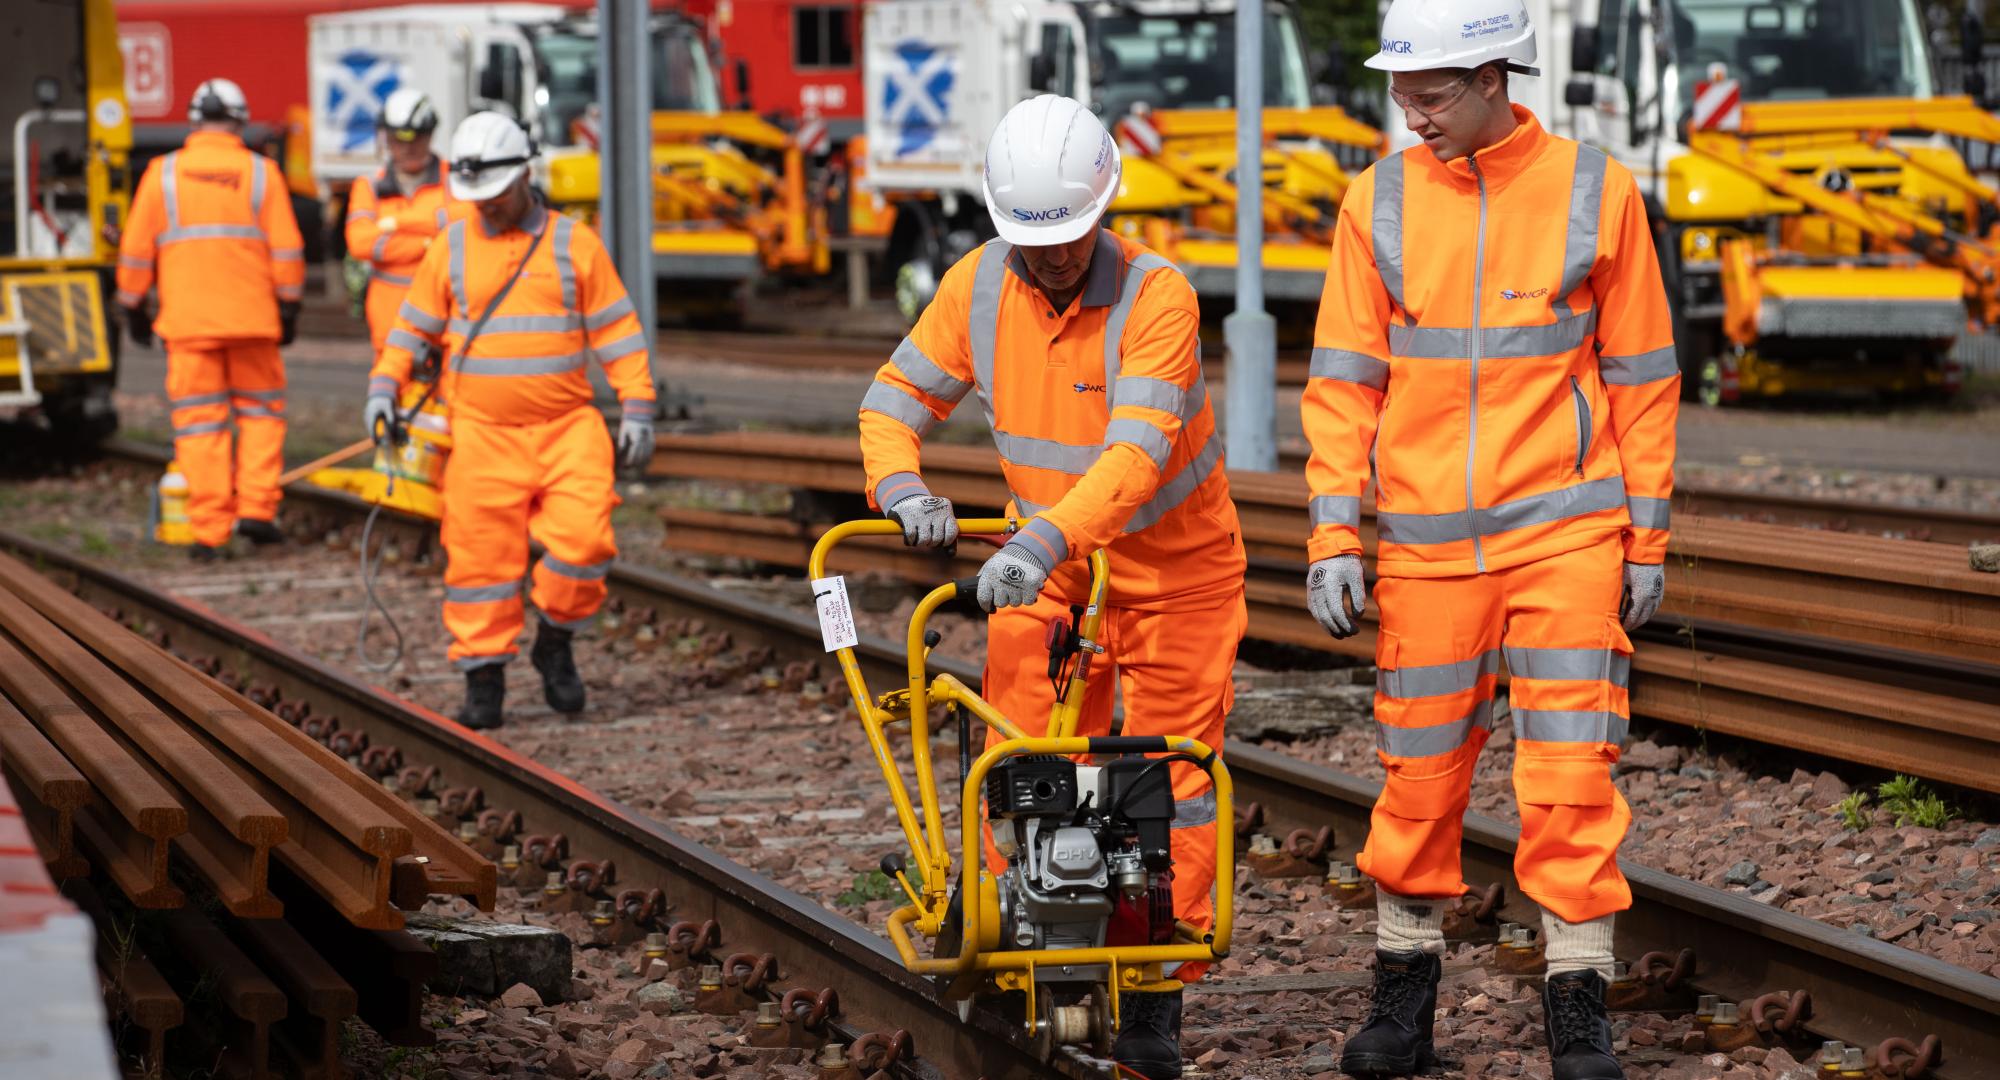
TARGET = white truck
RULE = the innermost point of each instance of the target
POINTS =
(939, 75)
(537, 62)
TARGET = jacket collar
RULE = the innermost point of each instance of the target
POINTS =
(1106, 273)
(532, 224)
(214, 139)
(385, 178)
(1505, 159)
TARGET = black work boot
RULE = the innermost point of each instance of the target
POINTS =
(1579, 1035)
(1396, 1040)
(207, 553)
(1149, 1034)
(485, 693)
(259, 532)
(561, 685)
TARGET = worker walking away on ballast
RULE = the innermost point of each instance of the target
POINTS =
(1494, 344)
(394, 215)
(1082, 349)
(519, 298)
(212, 227)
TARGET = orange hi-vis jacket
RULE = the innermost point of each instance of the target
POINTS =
(1495, 337)
(528, 364)
(1100, 414)
(393, 256)
(217, 220)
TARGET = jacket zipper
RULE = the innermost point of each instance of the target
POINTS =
(1582, 423)
(1472, 410)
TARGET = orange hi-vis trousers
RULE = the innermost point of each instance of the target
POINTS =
(1437, 658)
(503, 484)
(1173, 671)
(208, 383)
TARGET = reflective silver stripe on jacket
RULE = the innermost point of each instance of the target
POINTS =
(264, 412)
(898, 486)
(1437, 680)
(1433, 739)
(593, 572)
(1196, 812)
(386, 278)
(419, 318)
(260, 395)
(565, 269)
(1045, 453)
(1348, 366)
(256, 184)
(983, 313)
(924, 374)
(175, 232)
(209, 232)
(1571, 726)
(1569, 665)
(1588, 497)
(522, 365)
(1496, 342)
(1648, 513)
(1335, 510)
(517, 324)
(634, 342)
(608, 314)
(1142, 434)
(219, 398)
(1586, 207)
(455, 238)
(896, 403)
(170, 189)
(1640, 368)
(1386, 225)
(1043, 542)
(208, 428)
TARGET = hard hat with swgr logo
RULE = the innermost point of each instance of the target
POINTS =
(1051, 169)
(1428, 35)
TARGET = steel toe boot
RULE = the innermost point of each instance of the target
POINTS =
(1579, 1035)
(485, 692)
(561, 685)
(259, 532)
(1149, 1034)
(1396, 1040)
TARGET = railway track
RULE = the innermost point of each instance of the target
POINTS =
(1864, 991)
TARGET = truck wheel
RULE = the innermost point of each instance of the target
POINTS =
(81, 416)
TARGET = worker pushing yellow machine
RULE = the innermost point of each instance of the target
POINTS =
(1080, 910)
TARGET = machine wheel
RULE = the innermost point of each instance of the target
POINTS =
(950, 938)
(1101, 1032)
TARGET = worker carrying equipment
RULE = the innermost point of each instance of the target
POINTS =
(520, 299)
(1494, 345)
(393, 216)
(1082, 348)
(212, 226)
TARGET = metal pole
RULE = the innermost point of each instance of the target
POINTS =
(625, 189)
(1250, 405)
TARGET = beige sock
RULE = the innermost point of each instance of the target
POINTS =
(1584, 946)
(1409, 923)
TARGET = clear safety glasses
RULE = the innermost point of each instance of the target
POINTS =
(1432, 102)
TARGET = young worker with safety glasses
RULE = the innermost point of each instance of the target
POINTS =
(1494, 346)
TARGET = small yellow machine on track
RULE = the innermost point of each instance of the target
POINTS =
(1081, 909)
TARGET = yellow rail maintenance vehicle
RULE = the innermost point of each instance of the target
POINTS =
(1080, 910)
(1817, 230)
(69, 188)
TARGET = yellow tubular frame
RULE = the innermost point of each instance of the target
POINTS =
(1130, 966)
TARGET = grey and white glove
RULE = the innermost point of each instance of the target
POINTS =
(927, 521)
(635, 434)
(1329, 584)
(1645, 585)
(1013, 577)
(379, 417)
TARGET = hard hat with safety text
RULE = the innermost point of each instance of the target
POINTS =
(1428, 35)
(488, 153)
(1051, 169)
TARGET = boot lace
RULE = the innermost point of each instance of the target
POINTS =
(1574, 1015)
(1141, 1010)
(1396, 992)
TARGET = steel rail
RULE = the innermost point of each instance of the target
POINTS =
(816, 947)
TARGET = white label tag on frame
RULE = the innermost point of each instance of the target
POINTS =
(836, 616)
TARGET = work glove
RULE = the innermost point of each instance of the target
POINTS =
(635, 435)
(1645, 584)
(1329, 584)
(1013, 577)
(927, 521)
(379, 416)
(139, 326)
(288, 321)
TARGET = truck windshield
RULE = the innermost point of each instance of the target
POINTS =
(682, 78)
(1800, 50)
(1188, 61)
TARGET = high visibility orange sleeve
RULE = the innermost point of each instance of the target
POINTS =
(924, 380)
(281, 234)
(1347, 379)
(609, 319)
(136, 244)
(362, 227)
(420, 323)
(1161, 363)
(1635, 342)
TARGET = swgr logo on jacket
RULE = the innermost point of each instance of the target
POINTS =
(1523, 294)
(1087, 388)
(1054, 214)
(230, 180)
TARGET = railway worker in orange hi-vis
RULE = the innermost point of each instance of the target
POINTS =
(212, 227)
(1494, 345)
(519, 298)
(1082, 349)
(393, 216)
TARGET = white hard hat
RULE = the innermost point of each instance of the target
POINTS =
(1051, 169)
(218, 99)
(488, 152)
(1426, 35)
(407, 114)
